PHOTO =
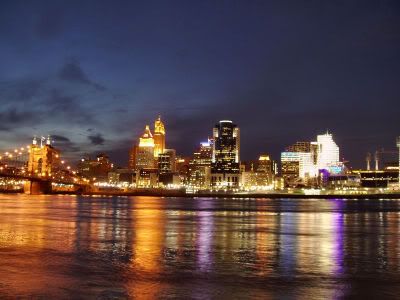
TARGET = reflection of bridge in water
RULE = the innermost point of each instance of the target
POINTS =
(41, 168)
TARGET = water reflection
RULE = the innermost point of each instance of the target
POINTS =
(81, 247)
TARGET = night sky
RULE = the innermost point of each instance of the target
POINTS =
(94, 73)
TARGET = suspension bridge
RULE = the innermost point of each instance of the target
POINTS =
(40, 168)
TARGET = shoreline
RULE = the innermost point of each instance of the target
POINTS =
(255, 195)
(182, 194)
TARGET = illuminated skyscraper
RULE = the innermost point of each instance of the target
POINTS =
(159, 137)
(225, 156)
(328, 151)
(298, 162)
(166, 161)
(200, 166)
(145, 151)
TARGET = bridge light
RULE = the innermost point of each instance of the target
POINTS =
(15, 150)
(62, 162)
(10, 155)
(6, 153)
(22, 148)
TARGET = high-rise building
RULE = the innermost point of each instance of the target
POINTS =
(132, 157)
(200, 166)
(159, 137)
(301, 162)
(265, 164)
(298, 163)
(290, 166)
(258, 174)
(328, 151)
(166, 161)
(265, 170)
(225, 157)
(145, 151)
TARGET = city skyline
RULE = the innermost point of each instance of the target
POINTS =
(199, 149)
(58, 142)
(91, 76)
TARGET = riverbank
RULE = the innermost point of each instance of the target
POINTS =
(272, 195)
(168, 193)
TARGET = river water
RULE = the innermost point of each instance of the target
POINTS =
(74, 247)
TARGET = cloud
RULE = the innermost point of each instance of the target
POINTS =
(64, 143)
(60, 138)
(14, 117)
(72, 72)
(59, 104)
(96, 139)
(21, 90)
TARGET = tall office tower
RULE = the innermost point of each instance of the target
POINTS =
(145, 151)
(132, 157)
(298, 162)
(166, 161)
(290, 166)
(159, 137)
(200, 166)
(225, 156)
(327, 151)
(265, 164)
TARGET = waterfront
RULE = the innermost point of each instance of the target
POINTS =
(153, 247)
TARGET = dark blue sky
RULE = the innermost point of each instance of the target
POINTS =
(93, 73)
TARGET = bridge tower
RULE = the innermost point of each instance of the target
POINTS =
(43, 162)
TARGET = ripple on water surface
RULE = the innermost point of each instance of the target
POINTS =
(122, 247)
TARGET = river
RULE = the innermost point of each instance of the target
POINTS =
(76, 247)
